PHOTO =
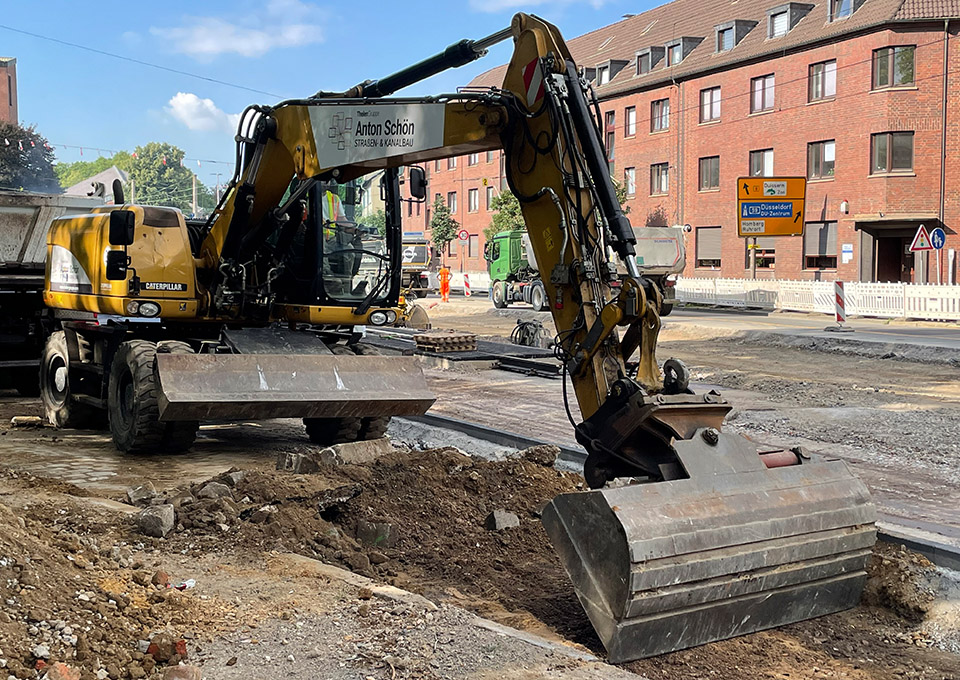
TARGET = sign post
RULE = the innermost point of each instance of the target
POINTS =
(938, 239)
(921, 243)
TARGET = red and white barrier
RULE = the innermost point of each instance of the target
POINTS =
(841, 302)
(466, 285)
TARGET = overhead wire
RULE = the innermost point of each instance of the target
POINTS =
(133, 60)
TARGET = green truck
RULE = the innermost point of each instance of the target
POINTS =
(514, 276)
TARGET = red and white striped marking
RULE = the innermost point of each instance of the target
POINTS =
(841, 301)
(533, 82)
(466, 285)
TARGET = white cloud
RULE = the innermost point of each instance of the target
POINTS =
(201, 115)
(492, 6)
(282, 23)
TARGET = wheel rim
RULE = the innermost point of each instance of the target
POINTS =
(538, 298)
(57, 379)
(498, 293)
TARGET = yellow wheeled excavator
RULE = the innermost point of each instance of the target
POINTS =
(689, 534)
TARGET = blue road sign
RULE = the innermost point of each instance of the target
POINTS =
(938, 238)
(769, 209)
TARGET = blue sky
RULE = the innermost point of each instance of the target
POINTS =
(290, 48)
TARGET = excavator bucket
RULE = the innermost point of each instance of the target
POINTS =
(732, 548)
(260, 386)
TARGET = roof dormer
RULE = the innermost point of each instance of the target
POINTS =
(729, 34)
(678, 49)
(841, 9)
(782, 18)
(608, 70)
(647, 59)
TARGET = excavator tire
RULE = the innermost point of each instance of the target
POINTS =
(327, 431)
(132, 399)
(376, 427)
(178, 436)
(60, 409)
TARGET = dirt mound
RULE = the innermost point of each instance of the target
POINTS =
(901, 581)
(416, 519)
(74, 594)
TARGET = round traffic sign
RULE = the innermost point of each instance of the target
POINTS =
(938, 238)
(463, 235)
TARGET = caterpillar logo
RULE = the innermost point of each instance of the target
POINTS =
(164, 286)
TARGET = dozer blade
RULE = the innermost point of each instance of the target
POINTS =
(733, 549)
(260, 386)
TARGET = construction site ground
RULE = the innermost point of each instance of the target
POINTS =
(263, 603)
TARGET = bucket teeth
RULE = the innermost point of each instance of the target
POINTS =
(730, 550)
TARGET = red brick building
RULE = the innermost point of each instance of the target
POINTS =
(859, 96)
(8, 90)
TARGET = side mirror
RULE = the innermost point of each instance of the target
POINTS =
(116, 265)
(122, 225)
(418, 183)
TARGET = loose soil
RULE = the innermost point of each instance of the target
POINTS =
(435, 503)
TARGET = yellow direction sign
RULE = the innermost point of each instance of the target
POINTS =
(770, 206)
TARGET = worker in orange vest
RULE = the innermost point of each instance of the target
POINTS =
(445, 276)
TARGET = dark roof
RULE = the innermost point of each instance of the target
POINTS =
(698, 18)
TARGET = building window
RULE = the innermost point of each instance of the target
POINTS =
(779, 24)
(473, 243)
(10, 88)
(710, 104)
(473, 159)
(725, 39)
(630, 180)
(610, 123)
(761, 163)
(762, 90)
(822, 81)
(451, 162)
(452, 202)
(891, 152)
(410, 209)
(489, 157)
(643, 63)
(709, 173)
(489, 197)
(473, 200)
(674, 54)
(840, 9)
(708, 247)
(820, 245)
(766, 249)
(659, 179)
(418, 208)
(451, 248)
(630, 121)
(603, 75)
(821, 159)
(436, 166)
(659, 115)
(893, 67)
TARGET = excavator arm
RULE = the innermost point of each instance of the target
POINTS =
(691, 534)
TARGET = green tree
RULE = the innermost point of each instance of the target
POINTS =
(71, 173)
(29, 168)
(621, 196)
(506, 215)
(378, 219)
(160, 178)
(442, 225)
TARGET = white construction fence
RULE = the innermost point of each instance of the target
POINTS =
(887, 300)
